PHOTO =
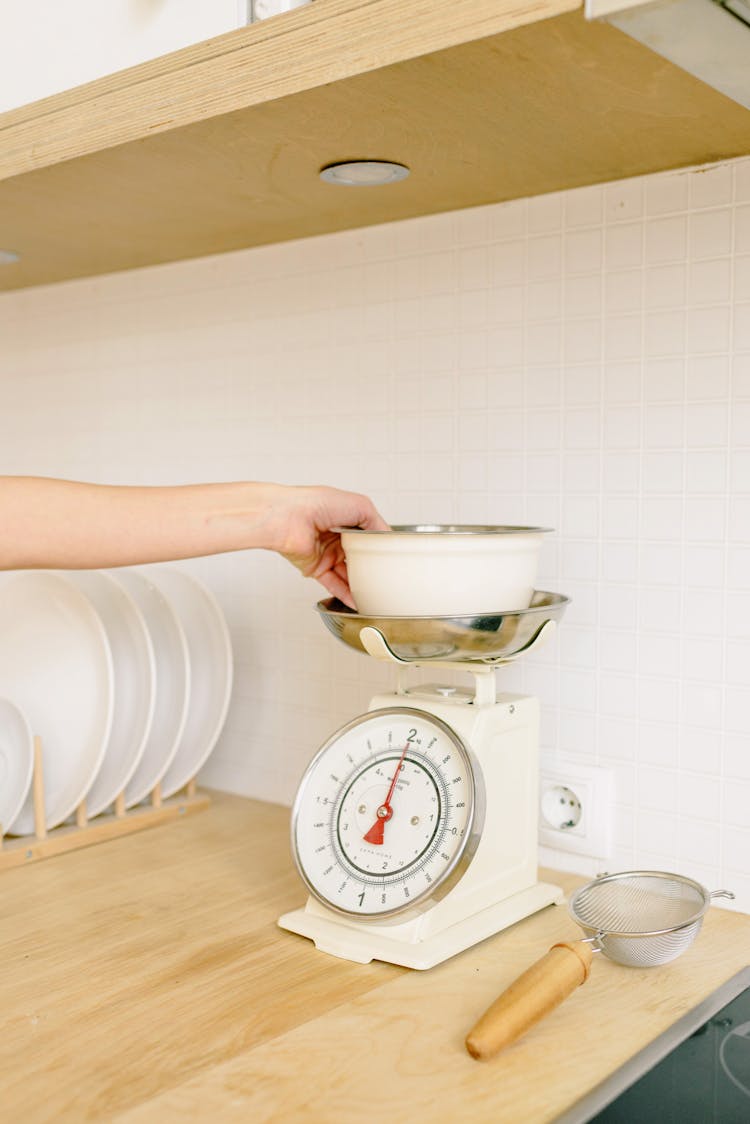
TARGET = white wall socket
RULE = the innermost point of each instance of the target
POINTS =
(576, 809)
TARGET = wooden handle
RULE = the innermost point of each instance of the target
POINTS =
(540, 989)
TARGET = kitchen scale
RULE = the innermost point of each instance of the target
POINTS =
(415, 825)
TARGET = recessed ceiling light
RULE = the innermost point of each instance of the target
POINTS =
(364, 173)
(7, 257)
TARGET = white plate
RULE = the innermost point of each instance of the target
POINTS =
(172, 683)
(56, 665)
(211, 666)
(135, 684)
(16, 762)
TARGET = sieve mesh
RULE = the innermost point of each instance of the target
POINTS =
(638, 903)
(646, 952)
(641, 919)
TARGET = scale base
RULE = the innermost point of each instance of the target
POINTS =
(337, 937)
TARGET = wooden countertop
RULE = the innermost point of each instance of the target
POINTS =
(146, 979)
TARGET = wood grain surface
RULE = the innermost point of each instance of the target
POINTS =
(146, 979)
(219, 147)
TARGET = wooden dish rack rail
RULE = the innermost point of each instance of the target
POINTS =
(44, 844)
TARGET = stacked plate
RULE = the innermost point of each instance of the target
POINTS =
(126, 677)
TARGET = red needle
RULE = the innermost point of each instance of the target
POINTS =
(385, 811)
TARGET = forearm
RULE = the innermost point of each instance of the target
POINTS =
(64, 524)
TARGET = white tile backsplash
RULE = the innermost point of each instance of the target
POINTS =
(580, 360)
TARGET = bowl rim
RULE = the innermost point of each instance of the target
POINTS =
(445, 529)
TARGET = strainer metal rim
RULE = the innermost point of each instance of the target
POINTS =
(656, 874)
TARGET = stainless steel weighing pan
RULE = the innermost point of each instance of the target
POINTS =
(486, 638)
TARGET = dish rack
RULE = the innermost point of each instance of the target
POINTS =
(46, 843)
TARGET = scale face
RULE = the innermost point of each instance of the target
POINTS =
(388, 814)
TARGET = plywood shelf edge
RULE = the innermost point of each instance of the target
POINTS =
(218, 147)
(328, 41)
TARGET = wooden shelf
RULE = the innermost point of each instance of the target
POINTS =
(218, 146)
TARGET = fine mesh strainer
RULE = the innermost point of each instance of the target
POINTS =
(641, 919)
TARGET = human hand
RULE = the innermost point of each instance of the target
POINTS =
(303, 519)
(63, 524)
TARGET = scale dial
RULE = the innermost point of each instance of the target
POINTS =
(385, 813)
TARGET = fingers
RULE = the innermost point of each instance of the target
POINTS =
(374, 521)
(317, 551)
(337, 587)
(350, 509)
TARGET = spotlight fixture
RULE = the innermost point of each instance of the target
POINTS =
(364, 173)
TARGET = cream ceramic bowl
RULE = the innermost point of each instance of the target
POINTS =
(442, 570)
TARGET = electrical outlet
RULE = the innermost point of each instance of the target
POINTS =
(576, 809)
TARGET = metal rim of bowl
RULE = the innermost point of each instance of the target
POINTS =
(451, 529)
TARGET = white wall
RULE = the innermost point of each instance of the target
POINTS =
(578, 360)
(49, 46)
